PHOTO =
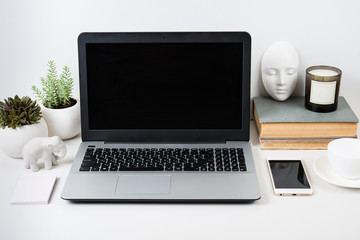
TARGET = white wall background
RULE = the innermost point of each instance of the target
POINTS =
(324, 32)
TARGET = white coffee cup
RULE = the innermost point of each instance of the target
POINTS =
(344, 157)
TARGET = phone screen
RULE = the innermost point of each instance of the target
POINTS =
(289, 174)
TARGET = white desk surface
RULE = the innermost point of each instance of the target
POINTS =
(331, 213)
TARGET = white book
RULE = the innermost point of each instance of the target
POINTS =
(33, 190)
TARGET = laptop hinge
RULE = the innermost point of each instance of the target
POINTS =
(165, 142)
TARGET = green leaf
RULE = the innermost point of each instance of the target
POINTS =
(56, 91)
(17, 111)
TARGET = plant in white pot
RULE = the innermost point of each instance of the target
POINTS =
(20, 121)
(60, 110)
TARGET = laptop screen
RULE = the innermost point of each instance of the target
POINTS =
(152, 84)
(164, 85)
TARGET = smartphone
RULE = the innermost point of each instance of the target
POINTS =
(289, 177)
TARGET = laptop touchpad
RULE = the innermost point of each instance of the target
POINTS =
(156, 184)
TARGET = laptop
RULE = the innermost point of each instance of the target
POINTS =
(165, 118)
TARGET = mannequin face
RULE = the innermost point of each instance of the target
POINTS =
(279, 70)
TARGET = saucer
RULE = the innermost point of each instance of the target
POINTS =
(323, 169)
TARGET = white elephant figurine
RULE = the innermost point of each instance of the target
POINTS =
(48, 149)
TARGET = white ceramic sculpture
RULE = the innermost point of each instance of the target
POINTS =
(279, 70)
(47, 149)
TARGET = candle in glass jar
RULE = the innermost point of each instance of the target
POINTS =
(322, 88)
(323, 72)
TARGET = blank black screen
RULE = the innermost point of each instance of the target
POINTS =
(164, 85)
(288, 174)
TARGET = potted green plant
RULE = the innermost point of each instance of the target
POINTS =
(60, 110)
(20, 121)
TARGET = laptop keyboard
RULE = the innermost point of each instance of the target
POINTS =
(164, 159)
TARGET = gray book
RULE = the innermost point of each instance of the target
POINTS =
(293, 110)
(290, 119)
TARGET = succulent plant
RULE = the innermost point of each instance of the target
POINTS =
(16, 112)
(56, 92)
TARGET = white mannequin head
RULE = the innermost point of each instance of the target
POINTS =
(279, 70)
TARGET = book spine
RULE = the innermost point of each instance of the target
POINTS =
(307, 130)
(295, 144)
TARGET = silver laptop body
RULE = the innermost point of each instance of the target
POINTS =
(181, 98)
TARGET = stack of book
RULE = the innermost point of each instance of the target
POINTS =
(289, 125)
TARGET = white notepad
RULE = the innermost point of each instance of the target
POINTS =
(33, 190)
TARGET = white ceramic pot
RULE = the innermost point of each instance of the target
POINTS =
(13, 140)
(64, 122)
